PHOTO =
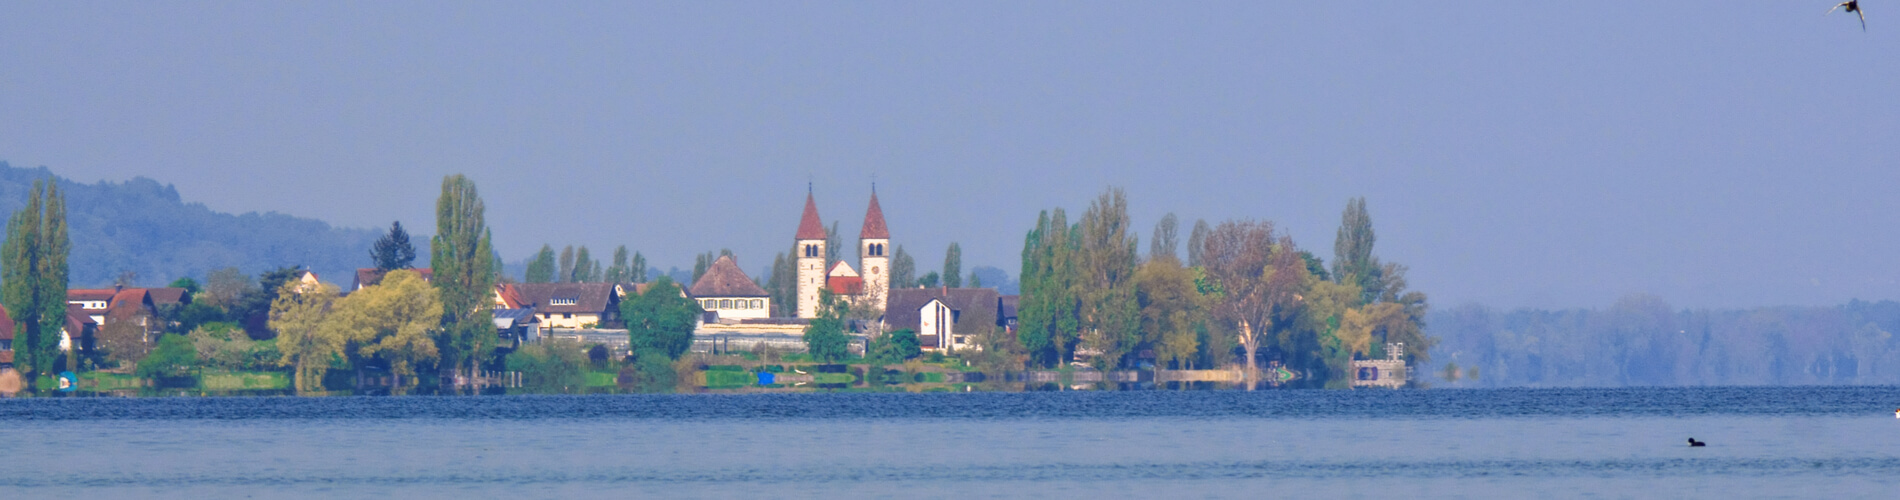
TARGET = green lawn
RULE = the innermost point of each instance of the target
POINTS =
(729, 379)
(233, 381)
(833, 378)
(101, 381)
(601, 379)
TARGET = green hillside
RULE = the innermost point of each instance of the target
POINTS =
(142, 226)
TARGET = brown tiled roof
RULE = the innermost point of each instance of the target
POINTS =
(874, 222)
(163, 296)
(809, 226)
(126, 304)
(976, 307)
(593, 298)
(725, 279)
(372, 276)
(845, 285)
(626, 289)
(6, 324)
(91, 294)
(510, 298)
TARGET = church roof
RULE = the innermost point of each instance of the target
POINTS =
(725, 279)
(842, 269)
(874, 222)
(809, 227)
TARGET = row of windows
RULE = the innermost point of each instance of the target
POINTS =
(812, 251)
(563, 302)
(733, 304)
(874, 249)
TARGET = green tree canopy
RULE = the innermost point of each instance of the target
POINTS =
(395, 320)
(825, 337)
(661, 318)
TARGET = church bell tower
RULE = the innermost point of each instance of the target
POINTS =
(874, 256)
(810, 242)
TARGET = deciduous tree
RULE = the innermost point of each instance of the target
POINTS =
(298, 319)
(396, 320)
(566, 272)
(1170, 310)
(953, 266)
(825, 337)
(33, 260)
(903, 269)
(464, 274)
(1165, 240)
(661, 318)
(1105, 280)
(1236, 257)
(541, 267)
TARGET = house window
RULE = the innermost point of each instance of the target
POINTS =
(758, 304)
(567, 315)
(565, 301)
(725, 303)
(712, 304)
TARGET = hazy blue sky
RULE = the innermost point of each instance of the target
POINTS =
(1513, 153)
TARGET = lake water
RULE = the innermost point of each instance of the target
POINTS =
(1815, 442)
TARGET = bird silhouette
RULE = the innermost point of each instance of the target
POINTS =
(1694, 443)
(1854, 7)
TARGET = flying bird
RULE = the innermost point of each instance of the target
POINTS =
(1854, 7)
(1694, 443)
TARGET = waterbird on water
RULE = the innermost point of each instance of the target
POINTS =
(1694, 443)
(1854, 7)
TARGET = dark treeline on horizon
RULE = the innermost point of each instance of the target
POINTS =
(1643, 341)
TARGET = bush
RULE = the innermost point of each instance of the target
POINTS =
(651, 371)
(894, 347)
(174, 357)
(550, 366)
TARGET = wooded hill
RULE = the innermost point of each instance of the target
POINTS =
(1641, 340)
(142, 226)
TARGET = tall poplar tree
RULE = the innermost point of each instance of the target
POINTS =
(1197, 243)
(903, 269)
(619, 272)
(586, 269)
(783, 285)
(33, 263)
(461, 255)
(566, 272)
(953, 266)
(1046, 314)
(1166, 238)
(1105, 287)
(638, 268)
(541, 267)
(1353, 262)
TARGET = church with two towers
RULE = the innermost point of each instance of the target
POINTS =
(869, 286)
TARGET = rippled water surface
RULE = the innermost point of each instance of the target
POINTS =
(1763, 442)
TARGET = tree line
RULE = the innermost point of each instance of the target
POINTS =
(1643, 340)
(1246, 294)
(579, 266)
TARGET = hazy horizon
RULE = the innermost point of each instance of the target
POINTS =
(1541, 155)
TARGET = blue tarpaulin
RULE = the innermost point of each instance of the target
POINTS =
(765, 378)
